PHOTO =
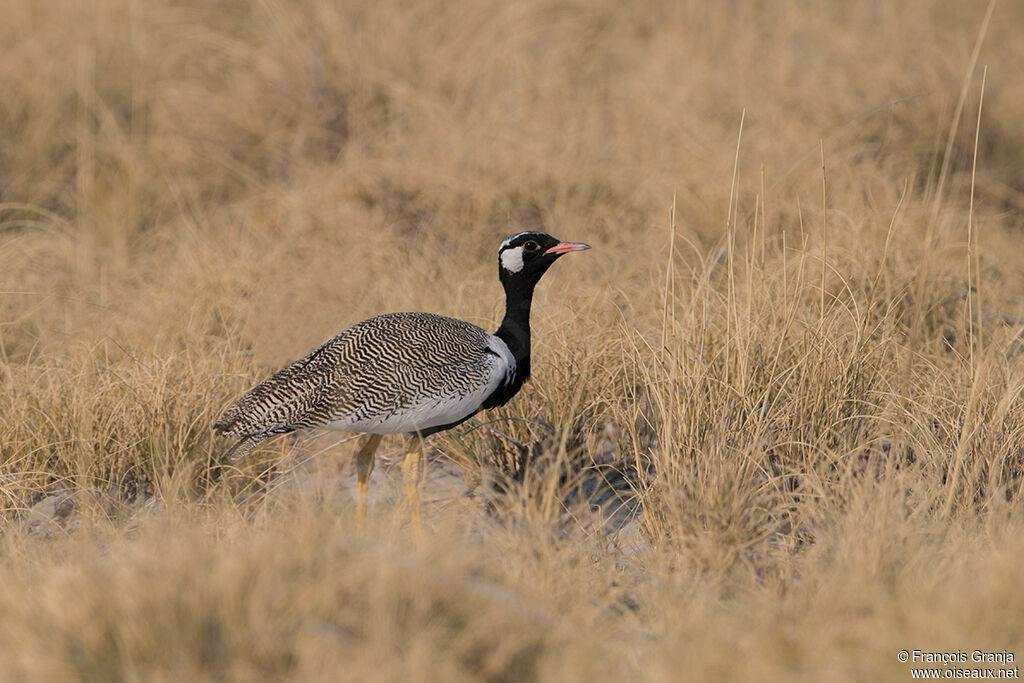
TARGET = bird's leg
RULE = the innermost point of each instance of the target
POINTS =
(412, 468)
(364, 466)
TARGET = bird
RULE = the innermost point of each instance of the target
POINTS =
(413, 373)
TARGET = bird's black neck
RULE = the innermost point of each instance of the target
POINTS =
(515, 327)
(515, 330)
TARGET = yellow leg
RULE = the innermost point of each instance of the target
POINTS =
(412, 468)
(364, 466)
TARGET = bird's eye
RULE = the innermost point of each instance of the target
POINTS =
(531, 246)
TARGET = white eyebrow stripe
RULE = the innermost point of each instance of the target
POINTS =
(510, 238)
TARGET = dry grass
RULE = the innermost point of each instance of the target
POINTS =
(812, 378)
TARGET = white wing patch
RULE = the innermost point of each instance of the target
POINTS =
(512, 259)
(445, 407)
(508, 361)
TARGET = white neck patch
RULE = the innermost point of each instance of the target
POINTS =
(512, 259)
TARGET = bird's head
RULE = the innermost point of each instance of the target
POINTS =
(524, 257)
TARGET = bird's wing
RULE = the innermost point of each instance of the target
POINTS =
(393, 373)
(421, 396)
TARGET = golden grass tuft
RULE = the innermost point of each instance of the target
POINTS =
(794, 352)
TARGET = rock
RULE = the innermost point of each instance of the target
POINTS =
(50, 514)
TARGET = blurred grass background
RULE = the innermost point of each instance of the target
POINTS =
(797, 337)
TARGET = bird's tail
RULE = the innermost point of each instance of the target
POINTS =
(244, 445)
(247, 442)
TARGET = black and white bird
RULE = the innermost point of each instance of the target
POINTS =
(416, 373)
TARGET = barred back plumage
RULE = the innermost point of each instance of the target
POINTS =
(398, 372)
